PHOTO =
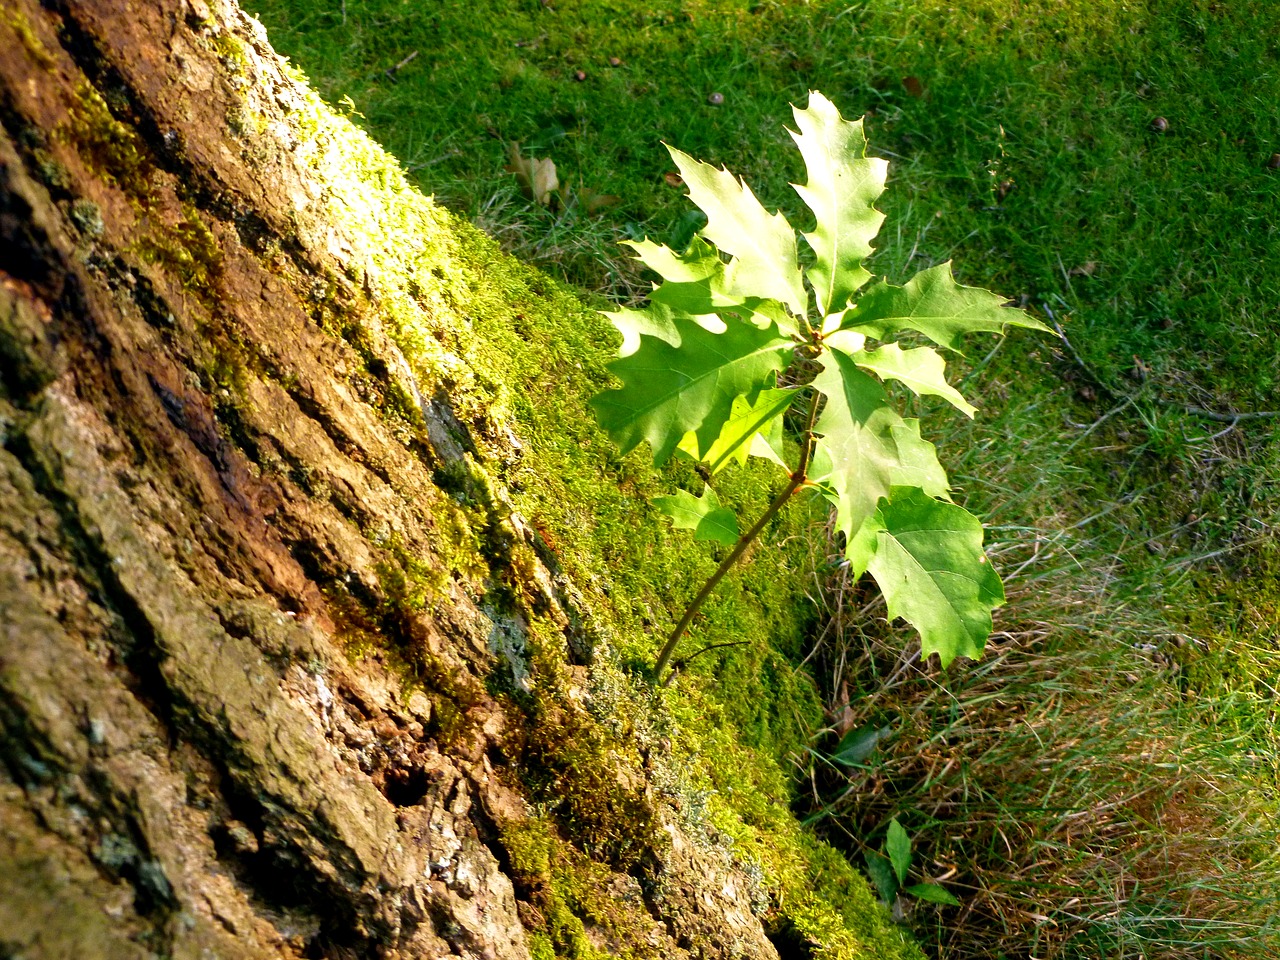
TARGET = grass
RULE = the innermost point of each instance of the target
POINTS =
(1077, 789)
(1136, 670)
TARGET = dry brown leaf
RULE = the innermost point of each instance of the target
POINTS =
(593, 202)
(536, 175)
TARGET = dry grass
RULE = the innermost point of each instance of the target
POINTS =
(1063, 788)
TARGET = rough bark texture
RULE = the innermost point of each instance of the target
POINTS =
(192, 765)
(205, 505)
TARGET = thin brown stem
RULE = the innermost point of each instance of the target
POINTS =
(680, 664)
(797, 480)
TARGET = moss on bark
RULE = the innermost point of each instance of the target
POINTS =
(326, 605)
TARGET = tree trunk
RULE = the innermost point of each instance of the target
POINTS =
(221, 480)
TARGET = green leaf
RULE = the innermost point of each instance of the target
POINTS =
(652, 321)
(927, 558)
(655, 320)
(918, 464)
(850, 341)
(698, 263)
(754, 428)
(670, 390)
(703, 515)
(881, 873)
(763, 244)
(898, 846)
(933, 893)
(697, 285)
(843, 186)
(856, 454)
(933, 303)
(856, 745)
(694, 280)
(922, 369)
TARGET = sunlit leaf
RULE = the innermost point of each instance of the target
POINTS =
(696, 284)
(843, 186)
(918, 464)
(670, 390)
(933, 303)
(856, 455)
(700, 364)
(926, 557)
(921, 369)
(763, 245)
(754, 428)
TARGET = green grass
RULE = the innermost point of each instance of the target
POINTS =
(1054, 99)
(1086, 789)
(1138, 536)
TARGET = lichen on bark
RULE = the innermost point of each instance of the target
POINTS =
(320, 597)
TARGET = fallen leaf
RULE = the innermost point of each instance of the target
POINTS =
(544, 180)
(913, 86)
(536, 175)
(1086, 269)
(593, 202)
(673, 179)
(845, 718)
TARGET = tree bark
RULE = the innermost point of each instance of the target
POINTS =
(202, 496)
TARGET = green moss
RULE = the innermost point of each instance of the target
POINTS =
(391, 634)
(231, 51)
(51, 173)
(517, 355)
(110, 148)
(409, 584)
(540, 946)
(189, 250)
(589, 778)
(87, 217)
(20, 25)
(581, 915)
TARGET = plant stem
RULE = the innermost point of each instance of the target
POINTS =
(679, 665)
(797, 480)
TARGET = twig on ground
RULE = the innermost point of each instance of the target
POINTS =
(678, 665)
(391, 72)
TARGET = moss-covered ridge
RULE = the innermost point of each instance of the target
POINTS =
(509, 357)
(536, 521)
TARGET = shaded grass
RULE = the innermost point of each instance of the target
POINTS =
(1080, 789)
(1139, 536)
(1066, 797)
